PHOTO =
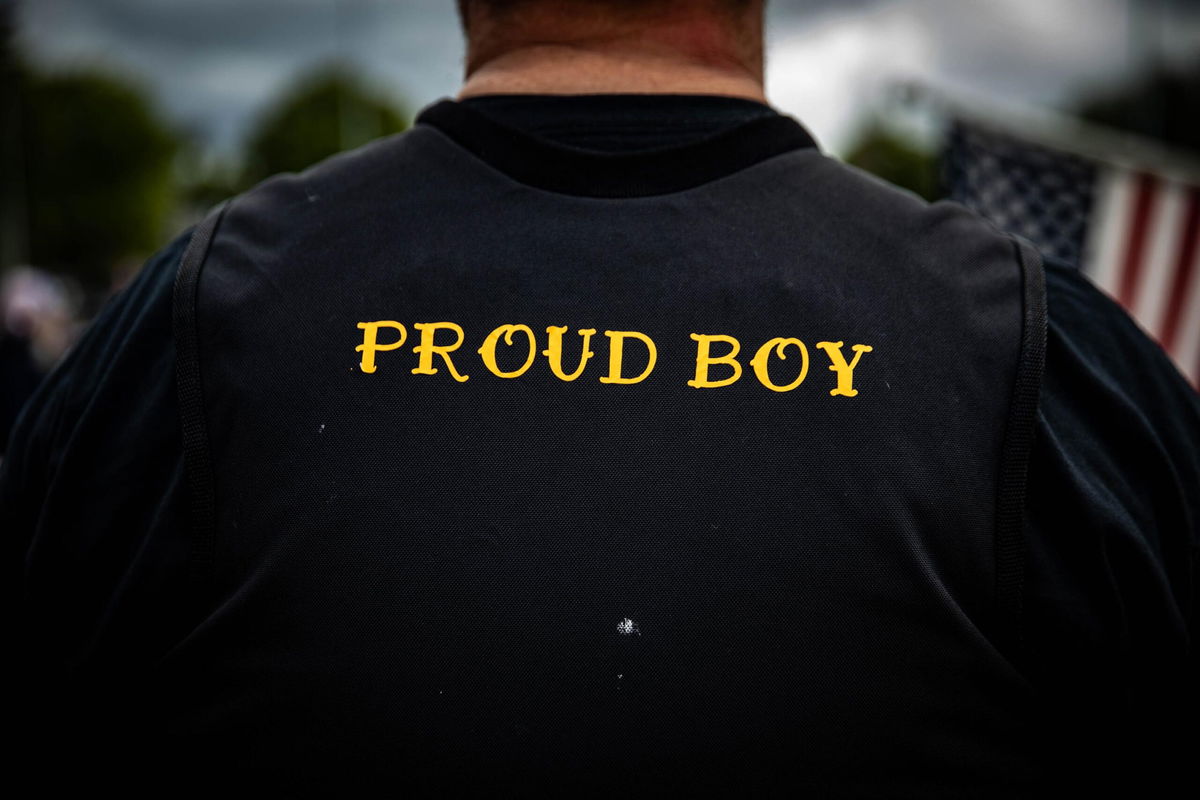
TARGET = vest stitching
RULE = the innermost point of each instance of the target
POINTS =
(1017, 446)
(196, 450)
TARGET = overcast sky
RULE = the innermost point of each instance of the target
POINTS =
(213, 63)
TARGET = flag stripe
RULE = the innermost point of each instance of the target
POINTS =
(1185, 271)
(1165, 237)
(1139, 226)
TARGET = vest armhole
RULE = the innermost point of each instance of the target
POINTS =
(197, 457)
(1017, 446)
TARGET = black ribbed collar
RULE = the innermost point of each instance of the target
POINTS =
(540, 162)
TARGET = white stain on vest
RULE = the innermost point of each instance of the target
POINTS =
(628, 627)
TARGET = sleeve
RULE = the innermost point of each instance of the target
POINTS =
(1112, 536)
(93, 509)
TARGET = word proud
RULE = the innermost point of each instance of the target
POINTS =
(443, 340)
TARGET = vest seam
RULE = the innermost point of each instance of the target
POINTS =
(197, 456)
(1016, 448)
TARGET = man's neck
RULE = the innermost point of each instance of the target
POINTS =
(565, 69)
(670, 52)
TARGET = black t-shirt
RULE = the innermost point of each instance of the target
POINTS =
(95, 502)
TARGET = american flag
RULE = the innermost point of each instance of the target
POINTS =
(1134, 232)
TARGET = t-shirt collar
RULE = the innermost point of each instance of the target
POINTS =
(549, 165)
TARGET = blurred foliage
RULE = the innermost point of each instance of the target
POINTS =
(894, 158)
(97, 162)
(204, 182)
(100, 174)
(1163, 105)
(326, 111)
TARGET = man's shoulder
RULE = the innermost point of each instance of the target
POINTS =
(380, 165)
(101, 427)
(132, 326)
(897, 221)
(336, 197)
(1112, 521)
(1118, 436)
(1091, 331)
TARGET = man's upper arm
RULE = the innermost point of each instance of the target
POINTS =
(1113, 521)
(89, 484)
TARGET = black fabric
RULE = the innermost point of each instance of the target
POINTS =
(483, 537)
(19, 378)
(1112, 610)
(617, 122)
(97, 545)
(732, 139)
(97, 537)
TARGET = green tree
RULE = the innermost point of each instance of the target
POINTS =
(98, 181)
(326, 111)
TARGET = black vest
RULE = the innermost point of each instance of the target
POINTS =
(518, 468)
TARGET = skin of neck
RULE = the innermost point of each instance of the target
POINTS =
(568, 48)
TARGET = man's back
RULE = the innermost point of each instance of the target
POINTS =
(481, 554)
(500, 562)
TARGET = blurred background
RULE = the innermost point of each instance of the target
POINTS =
(122, 121)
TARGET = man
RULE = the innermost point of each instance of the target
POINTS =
(600, 435)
